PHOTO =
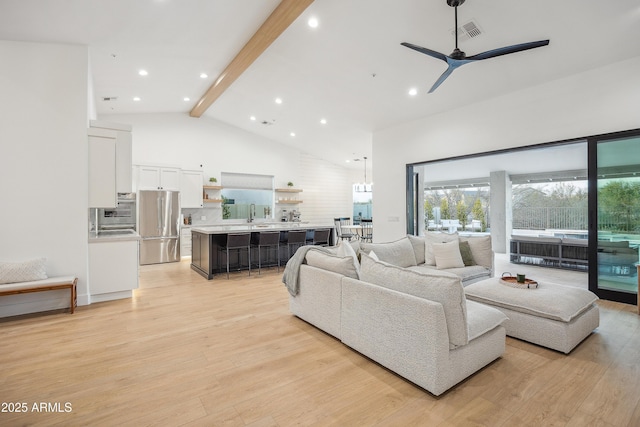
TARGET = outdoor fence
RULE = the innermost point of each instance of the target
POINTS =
(557, 218)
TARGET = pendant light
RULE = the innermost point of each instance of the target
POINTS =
(364, 187)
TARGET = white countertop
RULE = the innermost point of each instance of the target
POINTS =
(113, 236)
(281, 226)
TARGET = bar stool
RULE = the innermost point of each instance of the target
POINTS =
(321, 237)
(268, 240)
(295, 238)
(236, 242)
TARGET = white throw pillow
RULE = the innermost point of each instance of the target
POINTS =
(25, 271)
(447, 255)
(373, 256)
(346, 250)
(430, 239)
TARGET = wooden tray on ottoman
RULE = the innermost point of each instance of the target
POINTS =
(513, 282)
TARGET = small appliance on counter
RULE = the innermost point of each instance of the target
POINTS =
(294, 216)
(284, 217)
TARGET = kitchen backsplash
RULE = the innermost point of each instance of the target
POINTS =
(210, 215)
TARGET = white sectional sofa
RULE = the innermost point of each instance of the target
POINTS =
(438, 251)
(416, 322)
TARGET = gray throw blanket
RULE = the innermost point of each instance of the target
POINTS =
(292, 269)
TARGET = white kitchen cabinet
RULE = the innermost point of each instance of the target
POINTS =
(102, 168)
(158, 178)
(113, 269)
(191, 189)
(185, 241)
(124, 178)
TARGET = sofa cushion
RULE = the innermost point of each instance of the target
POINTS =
(335, 263)
(447, 255)
(430, 239)
(346, 250)
(437, 286)
(398, 253)
(468, 275)
(465, 253)
(418, 247)
(23, 271)
(555, 302)
(481, 319)
(481, 250)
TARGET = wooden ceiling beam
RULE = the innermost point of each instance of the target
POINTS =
(279, 20)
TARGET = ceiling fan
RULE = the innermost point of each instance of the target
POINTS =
(458, 58)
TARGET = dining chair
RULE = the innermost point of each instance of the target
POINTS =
(338, 222)
(367, 230)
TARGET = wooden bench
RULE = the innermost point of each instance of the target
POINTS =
(50, 284)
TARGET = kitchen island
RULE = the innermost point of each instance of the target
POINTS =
(206, 240)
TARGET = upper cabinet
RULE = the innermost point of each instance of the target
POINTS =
(191, 189)
(158, 178)
(102, 168)
(123, 146)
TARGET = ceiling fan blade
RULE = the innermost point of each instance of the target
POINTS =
(507, 50)
(426, 51)
(442, 78)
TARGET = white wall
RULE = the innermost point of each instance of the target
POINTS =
(174, 139)
(43, 165)
(593, 102)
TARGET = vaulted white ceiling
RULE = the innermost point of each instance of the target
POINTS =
(351, 70)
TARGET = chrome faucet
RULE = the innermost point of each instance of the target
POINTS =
(252, 212)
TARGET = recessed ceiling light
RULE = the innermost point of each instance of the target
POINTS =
(313, 22)
(186, 98)
(278, 100)
(252, 118)
(292, 134)
(323, 121)
(203, 75)
(143, 72)
(347, 161)
(413, 91)
(136, 98)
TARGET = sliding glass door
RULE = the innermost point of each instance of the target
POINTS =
(614, 200)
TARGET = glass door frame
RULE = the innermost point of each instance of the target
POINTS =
(592, 147)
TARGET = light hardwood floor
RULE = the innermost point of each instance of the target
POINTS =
(186, 351)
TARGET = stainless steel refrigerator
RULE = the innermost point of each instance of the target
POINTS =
(158, 213)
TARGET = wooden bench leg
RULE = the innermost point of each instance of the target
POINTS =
(74, 296)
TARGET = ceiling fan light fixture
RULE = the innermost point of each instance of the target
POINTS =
(458, 58)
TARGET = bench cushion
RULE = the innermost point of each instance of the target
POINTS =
(552, 301)
(38, 283)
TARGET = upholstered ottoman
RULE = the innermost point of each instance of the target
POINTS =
(554, 316)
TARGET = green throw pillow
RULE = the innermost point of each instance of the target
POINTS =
(467, 256)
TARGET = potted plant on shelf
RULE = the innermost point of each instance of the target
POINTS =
(213, 180)
(290, 184)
